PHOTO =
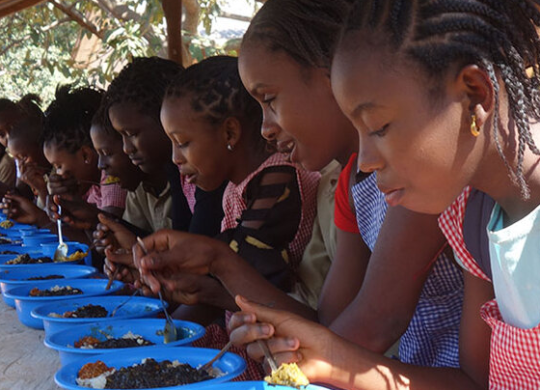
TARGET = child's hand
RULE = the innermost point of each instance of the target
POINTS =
(173, 252)
(290, 338)
(123, 259)
(76, 212)
(22, 210)
(191, 289)
(111, 234)
(32, 175)
(59, 185)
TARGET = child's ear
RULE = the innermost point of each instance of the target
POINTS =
(88, 154)
(479, 91)
(232, 131)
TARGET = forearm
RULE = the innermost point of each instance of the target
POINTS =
(239, 278)
(356, 368)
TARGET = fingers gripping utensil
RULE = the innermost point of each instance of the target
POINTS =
(268, 355)
(170, 333)
(60, 254)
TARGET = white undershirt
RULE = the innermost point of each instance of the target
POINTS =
(515, 265)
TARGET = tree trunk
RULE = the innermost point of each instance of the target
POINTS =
(173, 13)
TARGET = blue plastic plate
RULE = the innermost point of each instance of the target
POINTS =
(19, 276)
(230, 364)
(150, 329)
(137, 307)
(257, 385)
(25, 303)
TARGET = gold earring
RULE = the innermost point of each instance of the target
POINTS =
(475, 131)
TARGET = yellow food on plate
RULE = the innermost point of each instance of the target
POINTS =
(77, 255)
(6, 224)
(288, 374)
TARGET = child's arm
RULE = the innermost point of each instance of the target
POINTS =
(381, 311)
(329, 359)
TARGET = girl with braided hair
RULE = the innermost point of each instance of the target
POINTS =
(269, 203)
(164, 199)
(445, 98)
(77, 184)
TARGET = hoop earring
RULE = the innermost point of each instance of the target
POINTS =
(475, 131)
(229, 147)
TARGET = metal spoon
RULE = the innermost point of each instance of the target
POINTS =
(60, 254)
(170, 333)
(206, 366)
(123, 303)
(268, 355)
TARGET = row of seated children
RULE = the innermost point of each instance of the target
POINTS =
(410, 271)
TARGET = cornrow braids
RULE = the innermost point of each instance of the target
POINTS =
(215, 89)
(306, 30)
(499, 36)
(68, 118)
(143, 82)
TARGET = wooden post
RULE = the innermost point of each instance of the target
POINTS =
(173, 14)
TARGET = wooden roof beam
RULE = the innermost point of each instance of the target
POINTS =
(9, 7)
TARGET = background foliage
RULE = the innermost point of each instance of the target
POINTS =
(65, 41)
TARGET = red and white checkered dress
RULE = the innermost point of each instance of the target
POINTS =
(234, 202)
(106, 195)
(189, 192)
(514, 352)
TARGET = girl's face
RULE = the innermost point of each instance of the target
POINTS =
(143, 138)
(113, 160)
(423, 151)
(27, 152)
(199, 148)
(80, 165)
(299, 109)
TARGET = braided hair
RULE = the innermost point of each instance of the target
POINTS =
(68, 118)
(143, 82)
(498, 36)
(306, 30)
(215, 89)
(27, 107)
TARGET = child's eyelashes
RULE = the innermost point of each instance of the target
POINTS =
(268, 99)
(381, 132)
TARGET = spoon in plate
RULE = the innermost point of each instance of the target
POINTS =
(170, 333)
(60, 254)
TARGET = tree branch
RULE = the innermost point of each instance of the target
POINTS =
(75, 16)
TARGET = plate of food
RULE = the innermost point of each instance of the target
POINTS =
(116, 335)
(59, 316)
(29, 297)
(136, 369)
(29, 275)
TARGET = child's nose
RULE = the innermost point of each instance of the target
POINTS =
(101, 163)
(369, 159)
(128, 147)
(178, 157)
(269, 129)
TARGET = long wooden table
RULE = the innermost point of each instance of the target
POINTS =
(25, 362)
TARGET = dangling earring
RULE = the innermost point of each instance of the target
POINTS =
(229, 147)
(475, 131)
